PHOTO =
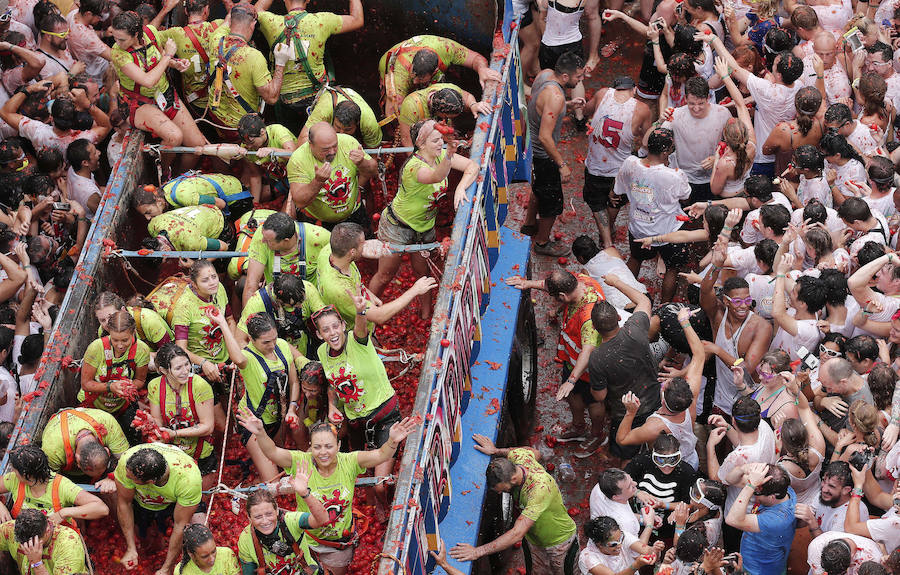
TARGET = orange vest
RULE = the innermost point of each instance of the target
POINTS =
(569, 347)
(54, 492)
(98, 428)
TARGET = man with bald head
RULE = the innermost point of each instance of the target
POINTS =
(325, 175)
(837, 86)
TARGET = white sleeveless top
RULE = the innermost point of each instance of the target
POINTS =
(726, 391)
(807, 488)
(562, 24)
(687, 441)
(610, 139)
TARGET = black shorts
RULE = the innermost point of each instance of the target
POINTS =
(144, 517)
(547, 187)
(597, 190)
(548, 55)
(700, 193)
(208, 464)
(674, 255)
(379, 432)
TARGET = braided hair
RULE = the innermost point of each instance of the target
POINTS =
(194, 536)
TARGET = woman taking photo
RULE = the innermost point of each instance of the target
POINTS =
(270, 381)
(200, 555)
(332, 478)
(357, 379)
(410, 218)
(153, 105)
(181, 403)
(732, 163)
(34, 486)
(114, 370)
(272, 538)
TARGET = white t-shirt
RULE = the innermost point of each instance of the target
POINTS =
(751, 233)
(621, 512)
(763, 451)
(893, 89)
(815, 189)
(43, 136)
(884, 204)
(832, 518)
(774, 103)
(808, 336)
(7, 388)
(866, 550)
(743, 260)
(591, 557)
(86, 46)
(885, 530)
(81, 189)
(852, 171)
(861, 138)
(833, 222)
(56, 64)
(696, 139)
(602, 264)
(836, 84)
(653, 193)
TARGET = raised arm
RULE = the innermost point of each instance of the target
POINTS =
(277, 455)
(859, 281)
(640, 300)
(231, 343)
(150, 78)
(354, 20)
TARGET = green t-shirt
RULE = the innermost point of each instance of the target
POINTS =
(333, 285)
(277, 137)
(184, 487)
(339, 195)
(145, 60)
(248, 70)
(226, 564)
(237, 266)
(370, 131)
(68, 491)
(416, 203)
(195, 78)
(52, 439)
(63, 554)
(415, 106)
(189, 228)
(315, 238)
(402, 54)
(295, 521)
(540, 500)
(204, 338)
(312, 303)
(255, 378)
(183, 418)
(313, 30)
(199, 189)
(95, 356)
(358, 377)
(335, 492)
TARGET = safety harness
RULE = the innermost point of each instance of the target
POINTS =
(54, 494)
(178, 420)
(275, 384)
(204, 59)
(146, 67)
(301, 254)
(222, 78)
(220, 193)
(289, 539)
(289, 323)
(292, 34)
(98, 428)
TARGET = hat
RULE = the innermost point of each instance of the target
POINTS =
(623, 83)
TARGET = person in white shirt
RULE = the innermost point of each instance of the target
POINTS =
(54, 45)
(760, 191)
(848, 167)
(774, 98)
(886, 529)
(867, 224)
(618, 122)
(611, 496)
(654, 192)
(798, 329)
(808, 162)
(831, 552)
(8, 385)
(610, 550)
(880, 60)
(698, 129)
(883, 303)
(83, 41)
(597, 263)
(834, 500)
(840, 118)
(837, 85)
(880, 191)
(84, 159)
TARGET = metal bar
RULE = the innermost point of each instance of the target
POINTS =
(188, 255)
(278, 154)
(360, 482)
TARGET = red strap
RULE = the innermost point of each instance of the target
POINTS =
(54, 492)
(64, 429)
(20, 500)
(194, 416)
(198, 46)
(108, 356)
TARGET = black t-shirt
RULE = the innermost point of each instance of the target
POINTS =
(672, 488)
(625, 363)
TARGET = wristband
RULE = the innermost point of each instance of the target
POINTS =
(727, 228)
(308, 493)
(293, 403)
(685, 325)
(38, 564)
(780, 276)
(857, 492)
(108, 387)
(750, 485)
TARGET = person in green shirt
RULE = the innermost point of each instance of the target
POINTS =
(246, 227)
(274, 537)
(313, 399)
(339, 278)
(326, 173)
(195, 228)
(307, 33)
(332, 480)
(92, 446)
(202, 557)
(38, 547)
(438, 101)
(154, 482)
(421, 61)
(181, 403)
(263, 168)
(240, 72)
(34, 486)
(150, 327)
(348, 113)
(283, 246)
(544, 523)
(271, 389)
(410, 218)
(115, 370)
(290, 301)
(194, 189)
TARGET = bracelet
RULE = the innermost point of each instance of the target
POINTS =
(308, 493)
(26, 267)
(38, 564)
(655, 43)
(727, 228)
(857, 492)
(293, 403)
(715, 267)
(780, 276)
(750, 485)
(108, 387)
(393, 445)
(685, 325)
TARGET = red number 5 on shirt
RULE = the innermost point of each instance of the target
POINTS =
(610, 133)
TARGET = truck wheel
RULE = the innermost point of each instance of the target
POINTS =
(521, 383)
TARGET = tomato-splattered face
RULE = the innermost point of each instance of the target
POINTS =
(264, 517)
(207, 282)
(103, 314)
(179, 369)
(310, 389)
(121, 341)
(266, 341)
(332, 330)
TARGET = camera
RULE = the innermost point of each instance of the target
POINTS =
(861, 458)
(62, 206)
(658, 24)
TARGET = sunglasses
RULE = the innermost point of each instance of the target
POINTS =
(618, 543)
(747, 301)
(667, 459)
(6, 16)
(325, 310)
(63, 34)
(767, 375)
(829, 352)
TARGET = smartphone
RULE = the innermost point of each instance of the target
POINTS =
(679, 8)
(658, 24)
(62, 206)
(854, 39)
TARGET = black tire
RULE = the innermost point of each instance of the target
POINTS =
(521, 383)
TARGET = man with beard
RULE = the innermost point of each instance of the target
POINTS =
(54, 45)
(546, 110)
(834, 500)
(325, 175)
